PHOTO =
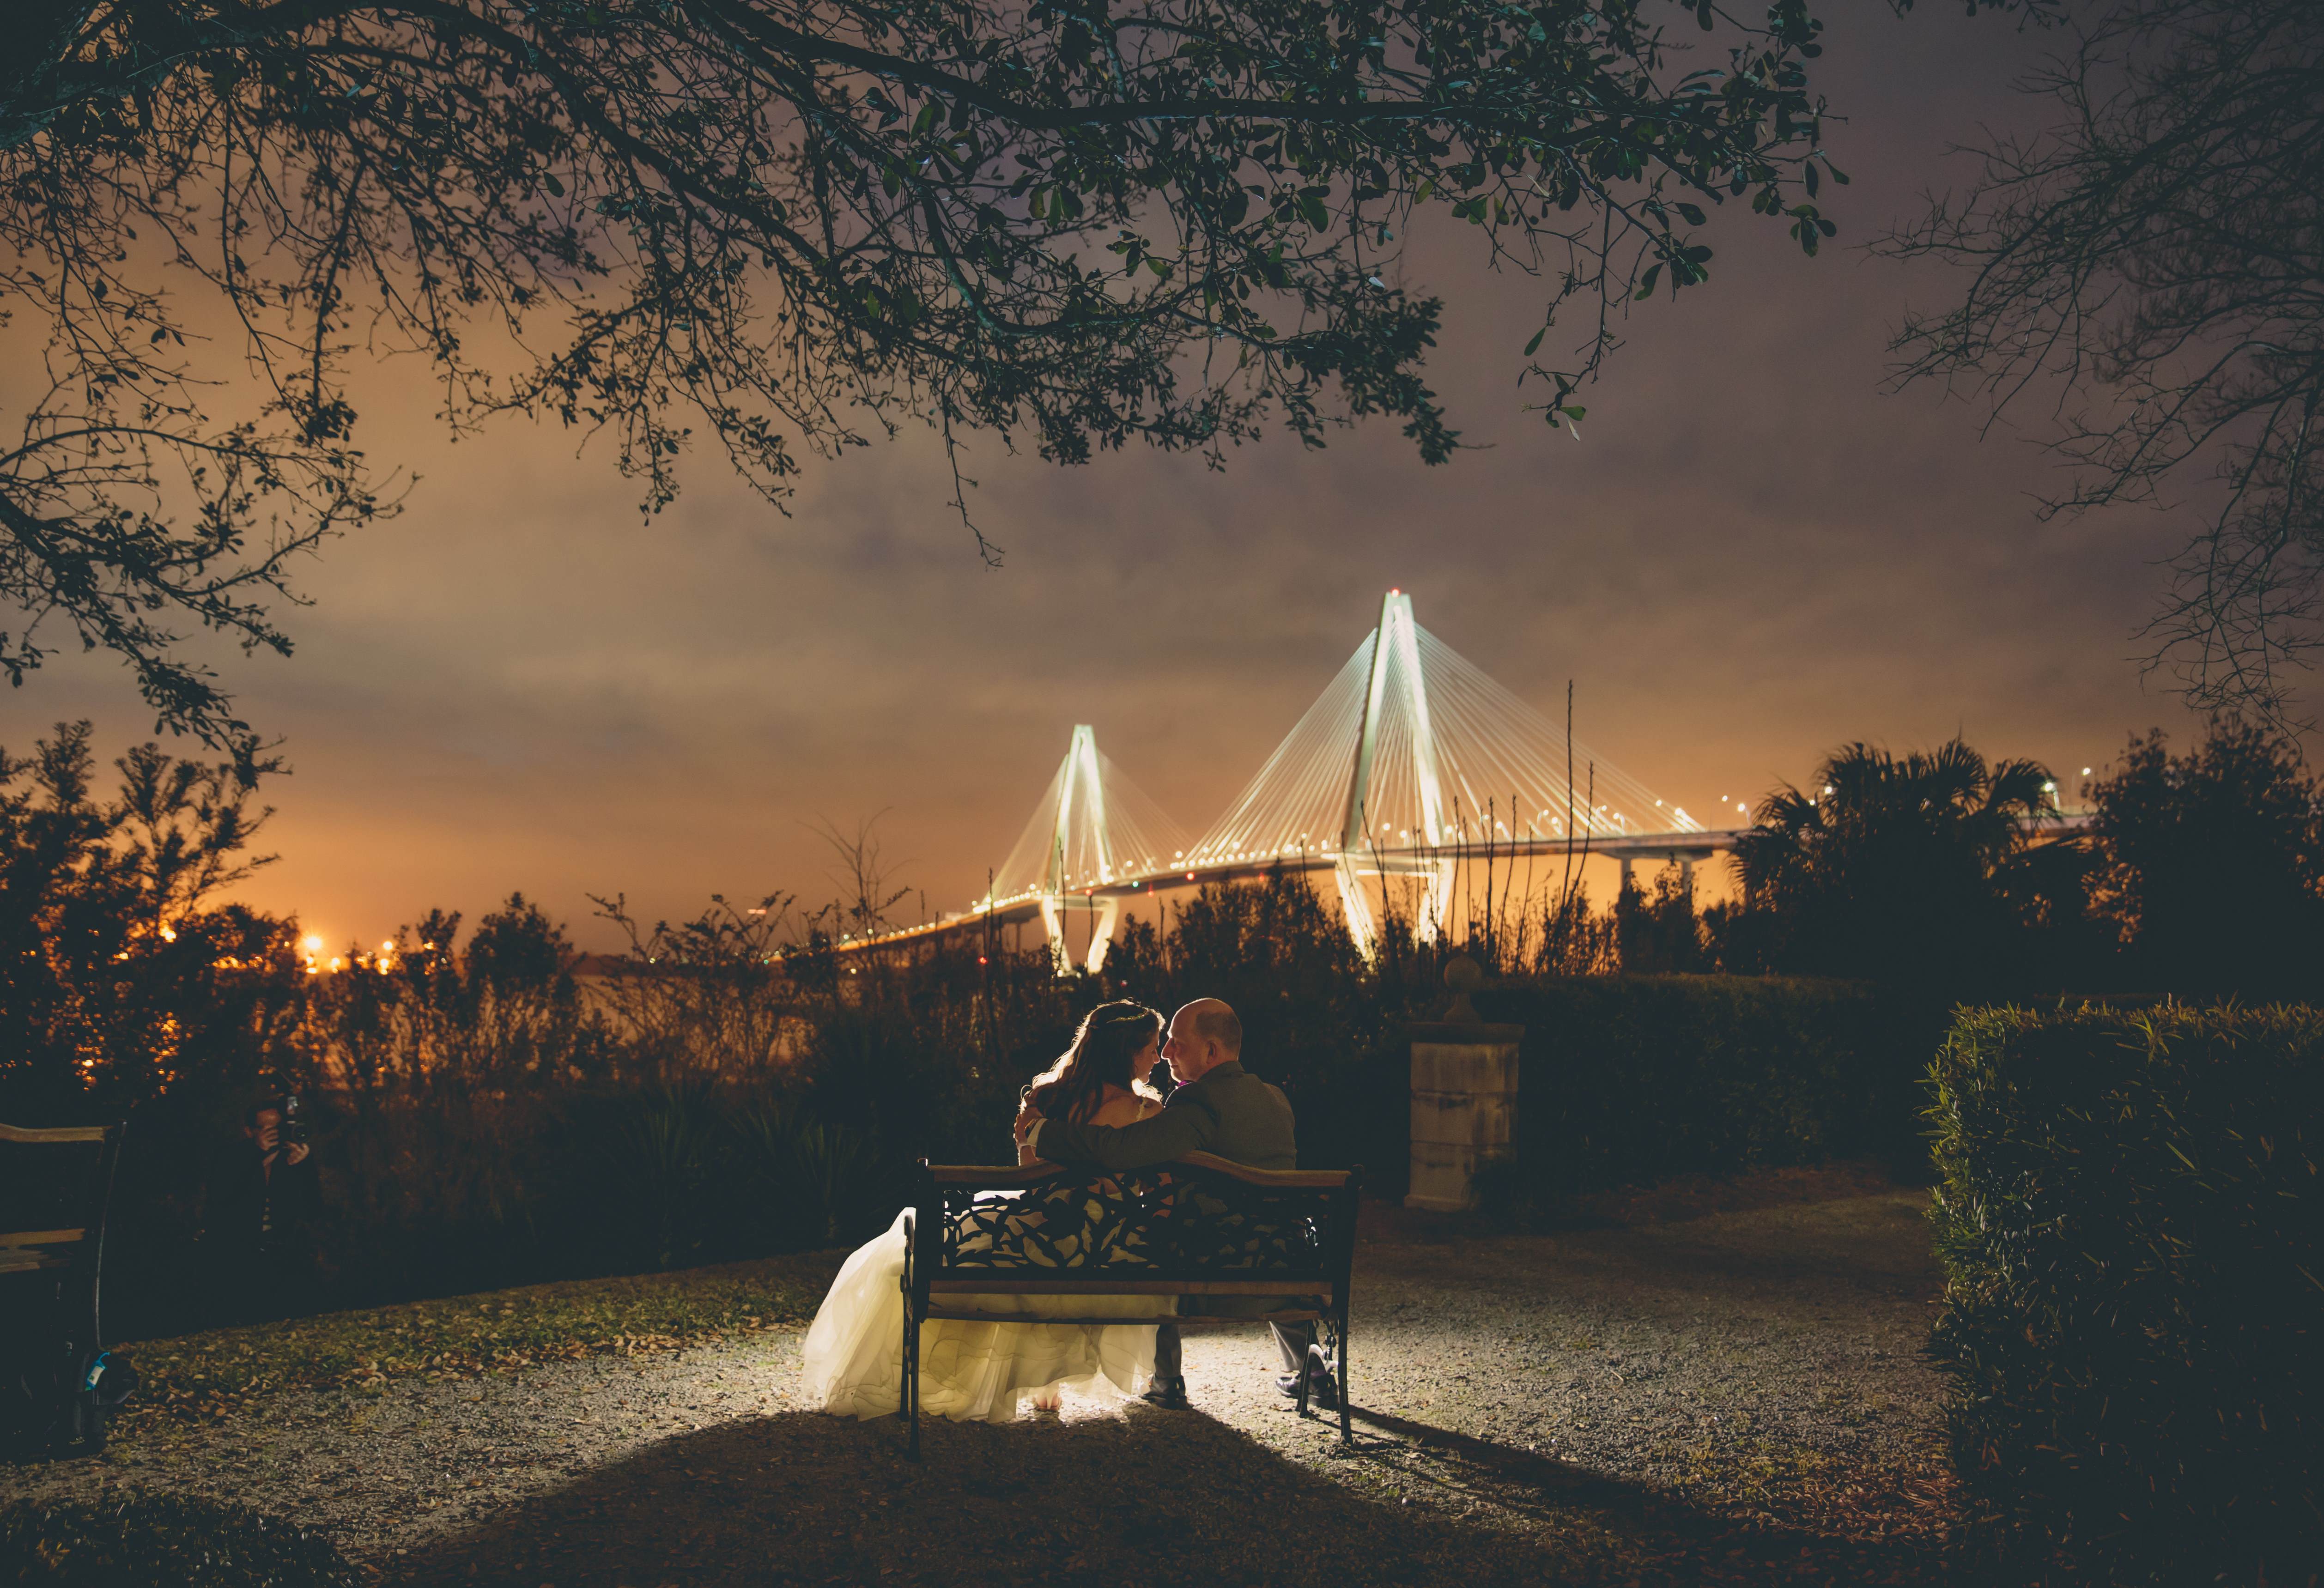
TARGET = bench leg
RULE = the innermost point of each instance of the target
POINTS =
(1347, 1434)
(908, 1357)
(911, 1393)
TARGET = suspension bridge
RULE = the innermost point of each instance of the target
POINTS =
(1410, 764)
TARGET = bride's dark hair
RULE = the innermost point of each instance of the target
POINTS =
(1108, 1038)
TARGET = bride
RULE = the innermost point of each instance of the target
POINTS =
(852, 1355)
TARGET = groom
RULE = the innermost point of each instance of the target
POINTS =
(1220, 1108)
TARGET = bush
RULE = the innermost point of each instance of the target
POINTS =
(1630, 1079)
(2213, 865)
(2129, 1216)
(163, 1541)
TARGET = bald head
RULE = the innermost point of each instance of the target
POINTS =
(1203, 1035)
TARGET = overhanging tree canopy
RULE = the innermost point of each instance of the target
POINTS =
(2157, 255)
(792, 227)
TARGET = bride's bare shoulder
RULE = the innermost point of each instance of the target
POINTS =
(1123, 1108)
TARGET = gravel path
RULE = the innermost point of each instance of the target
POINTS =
(1739, 1397)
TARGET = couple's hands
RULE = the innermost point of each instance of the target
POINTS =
(1027, 1118)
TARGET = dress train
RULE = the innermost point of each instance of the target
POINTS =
(853, 1357)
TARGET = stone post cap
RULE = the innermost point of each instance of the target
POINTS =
(1463, 975)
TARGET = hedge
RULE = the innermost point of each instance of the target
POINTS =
(1628, 1080)
(2129, 1215)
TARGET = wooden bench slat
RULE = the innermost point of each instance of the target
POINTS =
(25, 1259)
(954, 1282)
(965, 1316)
(59, 1133)
(41, 1237)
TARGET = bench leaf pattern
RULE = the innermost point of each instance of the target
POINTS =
(1163, 1221)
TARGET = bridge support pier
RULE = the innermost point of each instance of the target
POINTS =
(1435, 917)
(1109, 916)
(1105, 914)
(1432, 913)
(1356, 908)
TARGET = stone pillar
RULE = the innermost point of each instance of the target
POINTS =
(1465, 1097)
(1464, 1108)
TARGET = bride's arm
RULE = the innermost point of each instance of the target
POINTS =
(1027, 1119)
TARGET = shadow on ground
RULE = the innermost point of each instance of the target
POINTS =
(1150, 1498)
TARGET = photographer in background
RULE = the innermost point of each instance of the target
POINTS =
(257, 1242)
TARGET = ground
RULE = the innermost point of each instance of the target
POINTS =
(1738, 1397)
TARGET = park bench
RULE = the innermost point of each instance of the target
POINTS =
(56, 1379)
(1283, 1240)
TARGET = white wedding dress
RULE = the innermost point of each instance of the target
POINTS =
(852, 1360)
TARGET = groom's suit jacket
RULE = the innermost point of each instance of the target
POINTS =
(1230, 1112)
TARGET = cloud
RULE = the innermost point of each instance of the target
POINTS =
(1749, 555)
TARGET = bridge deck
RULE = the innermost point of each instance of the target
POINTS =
(1401, 861)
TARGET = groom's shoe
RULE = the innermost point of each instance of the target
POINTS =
(1169, 1394)
(1322, 1389)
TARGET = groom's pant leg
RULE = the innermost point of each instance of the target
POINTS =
(1292, 1341)
(1166, 1363)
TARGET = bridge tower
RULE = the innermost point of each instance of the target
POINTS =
(1395, 708)
(1092, 833)
(1076, 851)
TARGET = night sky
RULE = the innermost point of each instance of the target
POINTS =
(1750, 556)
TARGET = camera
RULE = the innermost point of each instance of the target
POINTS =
(292, 1131)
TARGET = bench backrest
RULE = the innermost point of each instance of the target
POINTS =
(55, 1186)
(1087, 1231)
